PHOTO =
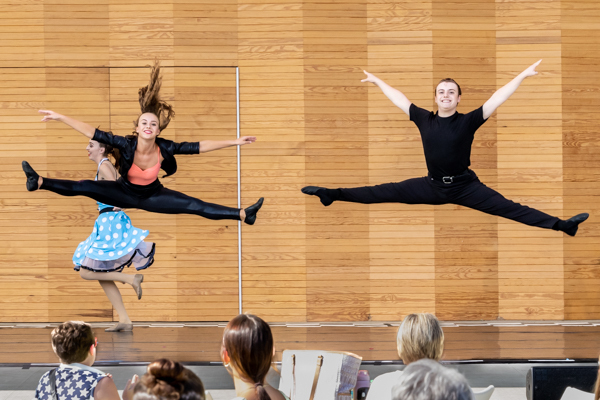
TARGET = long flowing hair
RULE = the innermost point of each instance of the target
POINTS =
(249, 344)
(150, 102)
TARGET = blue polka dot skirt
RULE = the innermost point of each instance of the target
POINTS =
(113, 245)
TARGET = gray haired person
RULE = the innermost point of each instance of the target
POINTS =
(428, 380)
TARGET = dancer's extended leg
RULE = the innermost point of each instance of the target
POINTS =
(480, 197)
(108, 192)
(169, 201)
(164, 201)
(410, 191)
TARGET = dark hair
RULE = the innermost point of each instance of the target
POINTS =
(150, 102)
(448, 80)
(249, 344)
(72, 340)
(111, 151)
(168, 380)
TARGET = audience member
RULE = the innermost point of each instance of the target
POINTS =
(168, 380)
(247, 352)
(75, 345)
(419, 336)
(428, 380)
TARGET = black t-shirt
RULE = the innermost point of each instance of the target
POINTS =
(447, 141)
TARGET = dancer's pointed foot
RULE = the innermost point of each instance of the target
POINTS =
(32, 177)
(320, 192)
(571, 225)
(120, 327)
(252, 210)
(137, 284)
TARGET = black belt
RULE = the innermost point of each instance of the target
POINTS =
(452, 179)
(105, 210)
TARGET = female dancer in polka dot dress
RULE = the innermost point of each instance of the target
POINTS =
(113, 245)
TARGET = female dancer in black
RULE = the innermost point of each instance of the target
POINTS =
(142, 155)
(447, 137)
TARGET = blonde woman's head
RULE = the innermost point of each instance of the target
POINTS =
(420, 336)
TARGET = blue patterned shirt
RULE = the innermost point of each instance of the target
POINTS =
(73, 382)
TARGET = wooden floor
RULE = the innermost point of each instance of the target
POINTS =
(374, 343)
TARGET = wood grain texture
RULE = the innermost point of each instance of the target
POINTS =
(202, 343)
(466, 241)
(581, 149)
(300, 66)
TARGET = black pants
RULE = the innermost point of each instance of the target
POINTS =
(469, 193)
(154, 197)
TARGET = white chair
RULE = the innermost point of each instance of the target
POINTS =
(484, 394)
(576, 394)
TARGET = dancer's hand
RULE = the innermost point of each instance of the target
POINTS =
(370, 77)
(531, 70)
(245, 140)
(50, 115)
(128, 391)
(117, 209)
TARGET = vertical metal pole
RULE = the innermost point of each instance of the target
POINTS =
(239, 188)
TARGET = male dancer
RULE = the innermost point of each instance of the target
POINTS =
(447, 137)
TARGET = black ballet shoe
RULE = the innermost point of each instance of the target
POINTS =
(32, 176)
(137, 285)
(120, 327)
(320, 192)
(571, 225)
(252, 210)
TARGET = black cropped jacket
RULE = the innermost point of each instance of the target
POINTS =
(128, 144)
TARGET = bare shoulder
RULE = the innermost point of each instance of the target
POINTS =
(274, 394)
(106, 390)
(107, 172)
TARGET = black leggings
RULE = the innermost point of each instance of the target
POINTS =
(154, 197)
(469, 193)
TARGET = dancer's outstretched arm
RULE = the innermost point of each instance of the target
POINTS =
(396, 96)
(507, 90)
(210, 145)
(79, 126)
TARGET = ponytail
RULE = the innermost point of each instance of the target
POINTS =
(249, 344)
(261, 392)
(112, 151)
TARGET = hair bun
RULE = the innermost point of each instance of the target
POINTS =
(167, 370)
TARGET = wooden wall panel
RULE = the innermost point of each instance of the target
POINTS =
(205, 32)
(402, 251)
(159, 302)
(530, 159)
(270, 51)
(23, 217)
(337, 155)
(71, 219)
(207, 251)
(466, 241)
(22, 34)
(580, 25)
(300, 66)
(195, 276)
(76, 33)
(140, 32)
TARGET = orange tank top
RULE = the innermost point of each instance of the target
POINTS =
(137, 176)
